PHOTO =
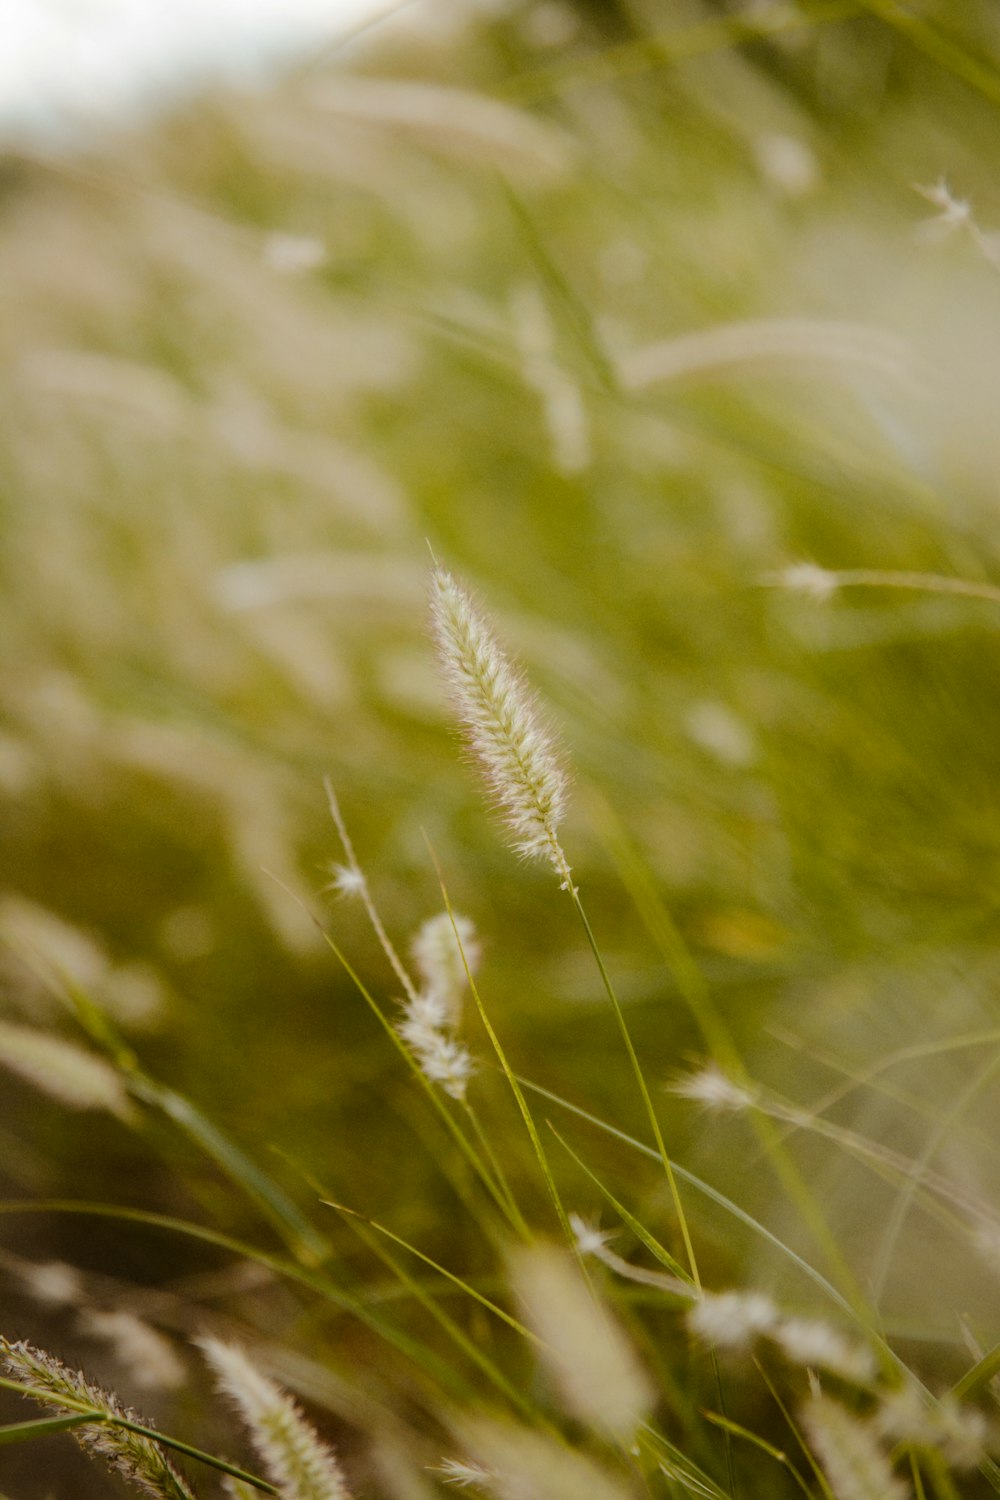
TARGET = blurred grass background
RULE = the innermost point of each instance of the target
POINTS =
(256, 356)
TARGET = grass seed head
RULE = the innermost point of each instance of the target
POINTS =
(136, 1458)
(300, 1465)
(520, 1464)
(816, 1345)
(591, 1361)
(501, 723)
(732, 1320)
(849, 1452)
(141, 1350)
(438, 958)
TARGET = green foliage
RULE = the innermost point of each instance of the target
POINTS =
(673, 329)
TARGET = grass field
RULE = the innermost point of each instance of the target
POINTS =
(671, 332)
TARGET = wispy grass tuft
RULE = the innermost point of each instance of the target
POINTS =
(300, 1465)
(130, 1454)
(502, 725)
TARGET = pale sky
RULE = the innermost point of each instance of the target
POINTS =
(72, 64)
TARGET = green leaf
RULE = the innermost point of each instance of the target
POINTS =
(23, 1432)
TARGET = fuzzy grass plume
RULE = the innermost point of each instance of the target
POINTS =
(136, 1458)
(300, 1465)
(849, 1451)
(440, 953)
(591, 1361)
(501, 723)
(75, 1077)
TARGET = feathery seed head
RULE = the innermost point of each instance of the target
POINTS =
(849, 1452)
(952, 212)
(46, 1380)
(591, 1361)
(589, 1239)
(462, 1475)
(346, 881)
(441, 1058)
(713, 1090)
(517, 1463)
(960, 1433)
(142, 1350)
(431, 1014)
(437, 954)
(501, 723)
(732, 1320)
(51, 1281)
(816, 1345)
(300, 1465)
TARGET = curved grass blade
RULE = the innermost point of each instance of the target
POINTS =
(428, 1260)
(24, 1432)
(720, 1199)
(735, 1430)
(459, 1337)
(652, 1244)
(938, 46)
(640, 1079)
(509, 1074)
(423, 1358)
(694, 989)
(302, 1237)
(459, 1137)
(668, 49)
(576, 313)
(907, 1193)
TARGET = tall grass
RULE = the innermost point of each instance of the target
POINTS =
(672, 329)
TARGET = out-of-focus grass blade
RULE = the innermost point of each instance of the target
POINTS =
(723, 1202)
(459, 1337)
(942, 49)
(576, 314)
(464, 1286)
(304, 1240)
(666, 49)
(980, 1375)
(315, 1280)
(728, 1425)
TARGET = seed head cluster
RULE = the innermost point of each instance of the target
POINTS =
(135, 1457)
(501, 723)
(445, 952)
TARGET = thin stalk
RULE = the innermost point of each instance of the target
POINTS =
(428, 1260)
(459, 1137)
(469, 1347)
(905, 1197)
(778, 1454)
(888, 578)
(498, 1189)
(385, 942)
(640, 1080)
(718, 1039)
(516, 1217)
(509, 1073)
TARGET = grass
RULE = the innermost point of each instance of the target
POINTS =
(672, 329)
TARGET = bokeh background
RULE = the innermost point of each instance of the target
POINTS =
(623, 311)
